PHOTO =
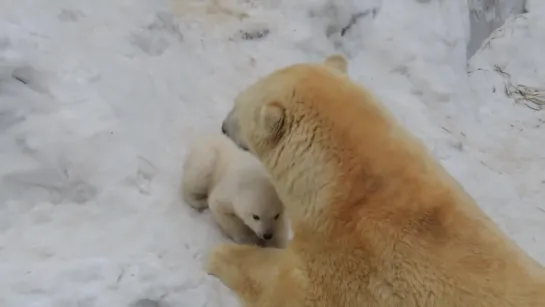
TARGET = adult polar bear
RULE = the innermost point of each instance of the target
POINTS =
(376, 220)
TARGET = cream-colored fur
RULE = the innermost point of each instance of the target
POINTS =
(236, 188)
(377, 221)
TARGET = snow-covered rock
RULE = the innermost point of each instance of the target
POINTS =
(488, 15)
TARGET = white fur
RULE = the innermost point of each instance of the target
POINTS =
(234, 185)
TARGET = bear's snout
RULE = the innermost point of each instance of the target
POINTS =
(267, 236)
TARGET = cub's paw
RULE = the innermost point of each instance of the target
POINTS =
(247, 238)
(275, 244)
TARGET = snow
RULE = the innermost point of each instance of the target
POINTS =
(98, 100)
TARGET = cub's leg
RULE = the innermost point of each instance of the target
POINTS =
(197, 173)
(222, 211)
(250, 271)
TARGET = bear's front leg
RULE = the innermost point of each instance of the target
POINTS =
(247, 270)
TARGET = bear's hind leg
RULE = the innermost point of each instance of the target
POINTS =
(197, 175)
(249, 271)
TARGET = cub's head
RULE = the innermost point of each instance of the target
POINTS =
(260, 115)
(260, 208)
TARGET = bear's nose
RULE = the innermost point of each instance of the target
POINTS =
(267, 236)
(223, 130)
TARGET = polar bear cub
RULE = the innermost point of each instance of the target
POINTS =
(236, 188)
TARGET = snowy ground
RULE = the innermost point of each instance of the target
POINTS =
(99, 98)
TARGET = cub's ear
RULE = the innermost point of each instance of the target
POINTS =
(273, 118)
(337, 62)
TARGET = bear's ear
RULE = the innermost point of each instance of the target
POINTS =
(273, 118)
(337, 62)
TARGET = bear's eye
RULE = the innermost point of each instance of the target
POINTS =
(256, 217)
(277, 216)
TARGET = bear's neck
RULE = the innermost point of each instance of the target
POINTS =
(321, 180)
(301, 180)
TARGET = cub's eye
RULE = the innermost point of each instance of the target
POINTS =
(277, 216)
(256, 217)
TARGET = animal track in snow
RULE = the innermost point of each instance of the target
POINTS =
(70, 15)
(158, 35)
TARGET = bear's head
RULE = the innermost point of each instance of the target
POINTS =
(287, 120)
(261, 210)
(259, 117)
(256, 201)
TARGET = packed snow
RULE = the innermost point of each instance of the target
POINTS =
(98, 100)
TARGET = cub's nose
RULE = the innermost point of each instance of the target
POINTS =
(267, 236)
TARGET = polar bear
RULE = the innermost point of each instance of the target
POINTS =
(376, 220)
(234, 185)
